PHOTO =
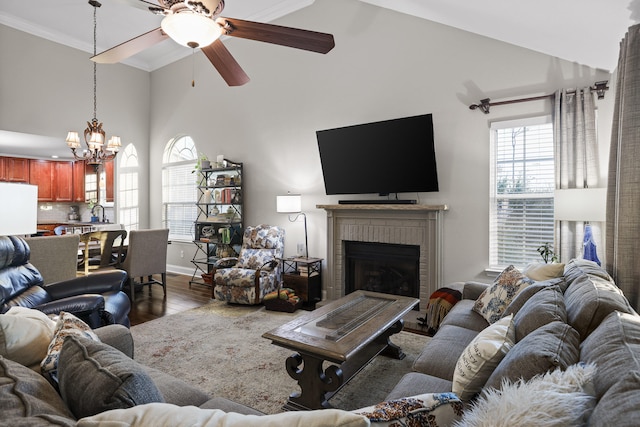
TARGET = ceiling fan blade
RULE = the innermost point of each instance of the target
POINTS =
(130, 47)
(276, 34)
(225, 63)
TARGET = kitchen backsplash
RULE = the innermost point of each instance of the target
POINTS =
(59, 212)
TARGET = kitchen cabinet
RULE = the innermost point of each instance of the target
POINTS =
(14, 169)
(53, 178)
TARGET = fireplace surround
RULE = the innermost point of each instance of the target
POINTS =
(419, 225)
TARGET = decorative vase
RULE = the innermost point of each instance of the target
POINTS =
(207, 196)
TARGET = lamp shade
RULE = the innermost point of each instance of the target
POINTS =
(19, 210)
(191, 29)
(291, 203)
(580, 204)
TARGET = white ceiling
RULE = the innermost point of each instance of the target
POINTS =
(584, 31)
(587, 32)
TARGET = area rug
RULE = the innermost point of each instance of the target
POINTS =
(219, 348)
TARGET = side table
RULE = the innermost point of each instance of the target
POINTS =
(304, 276)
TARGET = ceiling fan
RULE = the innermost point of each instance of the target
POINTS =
(198, 24)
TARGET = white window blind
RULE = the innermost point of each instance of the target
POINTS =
(128, 189)
(522, 185)
(179, 192)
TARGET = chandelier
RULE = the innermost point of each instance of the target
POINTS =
(94, 136)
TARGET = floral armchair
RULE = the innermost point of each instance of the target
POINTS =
(256, 271)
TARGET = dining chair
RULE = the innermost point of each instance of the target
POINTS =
(146, 257)
(111, 245)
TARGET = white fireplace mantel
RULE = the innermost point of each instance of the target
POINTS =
(407, 224)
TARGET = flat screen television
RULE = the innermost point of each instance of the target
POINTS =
(385, 157)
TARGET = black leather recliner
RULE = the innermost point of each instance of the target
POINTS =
(97, 299)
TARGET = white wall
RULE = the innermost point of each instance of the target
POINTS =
(47, 89)
(385, 65)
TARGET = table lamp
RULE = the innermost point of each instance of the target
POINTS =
(582, 204)
(19, 210)
(292, 203)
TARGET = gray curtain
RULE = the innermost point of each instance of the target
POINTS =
(623, 190)
(576, 154)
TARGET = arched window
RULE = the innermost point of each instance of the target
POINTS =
(179, 193)
(128, 193)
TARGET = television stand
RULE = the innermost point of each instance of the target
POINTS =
(379, 202)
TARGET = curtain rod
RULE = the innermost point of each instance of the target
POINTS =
(599, 87)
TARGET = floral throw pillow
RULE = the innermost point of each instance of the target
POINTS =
(67, 325)
(431, 409)
(492, 303)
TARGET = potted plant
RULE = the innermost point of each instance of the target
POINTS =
(547, 253)
(202, 163)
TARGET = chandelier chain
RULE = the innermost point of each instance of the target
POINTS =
(95, 39)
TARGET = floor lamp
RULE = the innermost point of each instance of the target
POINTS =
(582, 204)
(19, 213)
(292, 204)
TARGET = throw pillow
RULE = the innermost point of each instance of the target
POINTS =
(255, 258)
(67, 325)
(480, 358)
(495, 299)
(95, 377)
(25, 335)
(557, 398)
(540, 272)
(28, 399)
(554, 345)
(432, 409)
(165, 414)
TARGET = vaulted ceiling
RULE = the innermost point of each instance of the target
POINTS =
(587, 32)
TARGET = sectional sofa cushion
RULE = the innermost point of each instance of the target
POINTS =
(554, 345)
(439, 357)
(495, 299)
(481, 356)
(95, 377)
(614, 346)
(463, 315)
(620, 405)
(544, 307)
(415, 381)
(524, 295)
(28, 399)
(591, 296)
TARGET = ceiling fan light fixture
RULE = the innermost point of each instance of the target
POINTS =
(191, 29)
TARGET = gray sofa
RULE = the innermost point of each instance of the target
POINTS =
(581, 316)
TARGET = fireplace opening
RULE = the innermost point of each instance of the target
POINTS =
(382, 267)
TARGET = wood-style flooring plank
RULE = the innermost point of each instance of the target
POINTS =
(152, 305)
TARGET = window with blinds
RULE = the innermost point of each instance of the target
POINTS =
(179, 193)
(128, 199)
(522, 186)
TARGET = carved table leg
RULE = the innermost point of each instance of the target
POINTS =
(391, 349)
(313, 381)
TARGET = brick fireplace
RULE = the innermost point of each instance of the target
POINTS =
(414, 225)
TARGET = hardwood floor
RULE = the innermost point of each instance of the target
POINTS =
(152, 305)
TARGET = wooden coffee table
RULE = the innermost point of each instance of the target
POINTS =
(348, 333)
